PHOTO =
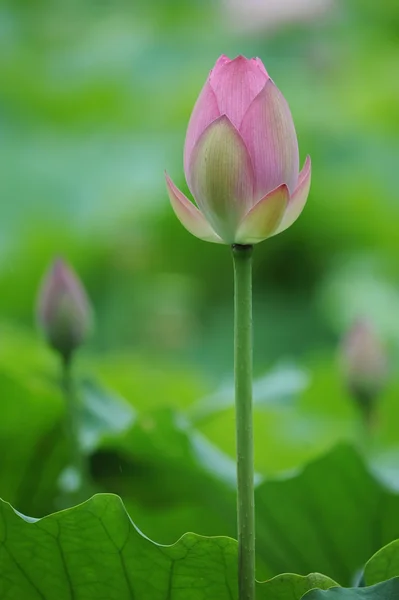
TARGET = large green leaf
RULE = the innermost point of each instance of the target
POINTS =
(383, 565)
(170, 477)
(174, 480)
(388, 590)
(289, 586)
(94, 552)
(277, 388)
(329, 518)
(30, 428)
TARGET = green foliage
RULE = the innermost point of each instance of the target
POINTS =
(292, 587)
(329, 516)
(94, 552)
(381, 591)
(383, 565)
(326, 518)
(95, 99)
(95, 102)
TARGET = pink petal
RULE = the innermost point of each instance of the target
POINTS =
(298, 199)
(61, 281)
(236, 83)
(269, 134)
(205, 111)
(260, 65)
(221, 61)
(189, 215)
(264, 218)
(221, 177)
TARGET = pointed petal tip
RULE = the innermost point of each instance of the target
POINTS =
(306, 169)
(58, 263)
(189, 215)
(240, 58)
(261, 66)
(223, 58)
(219, 64)
(264, 218)
(299, 197)
(236, 83)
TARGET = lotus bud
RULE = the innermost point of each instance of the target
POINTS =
(241, 158)
(364, 365)
(64, 312)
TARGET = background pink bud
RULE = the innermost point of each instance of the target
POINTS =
(64, 312)
(364, 362)
(241, 158)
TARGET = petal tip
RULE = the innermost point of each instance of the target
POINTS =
(260, 65)
(188, 214)
(307, 164)
(298, 199)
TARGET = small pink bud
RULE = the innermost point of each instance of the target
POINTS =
(364, 363)
(241, 158)
(63, 309)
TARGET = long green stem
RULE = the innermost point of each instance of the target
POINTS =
(242, 258)
(76, 456)
(366, 404)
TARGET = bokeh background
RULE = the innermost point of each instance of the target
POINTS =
(95, 97)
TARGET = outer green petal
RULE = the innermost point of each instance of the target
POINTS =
(189, 215)
(298, 198)
(263, 219)
(221, 177)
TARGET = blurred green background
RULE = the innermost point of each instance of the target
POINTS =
(95, 97)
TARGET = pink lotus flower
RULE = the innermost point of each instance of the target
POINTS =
(240, 158)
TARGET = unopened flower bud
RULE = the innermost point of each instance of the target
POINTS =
(241, 158)
(64, 311)
(364, 364)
